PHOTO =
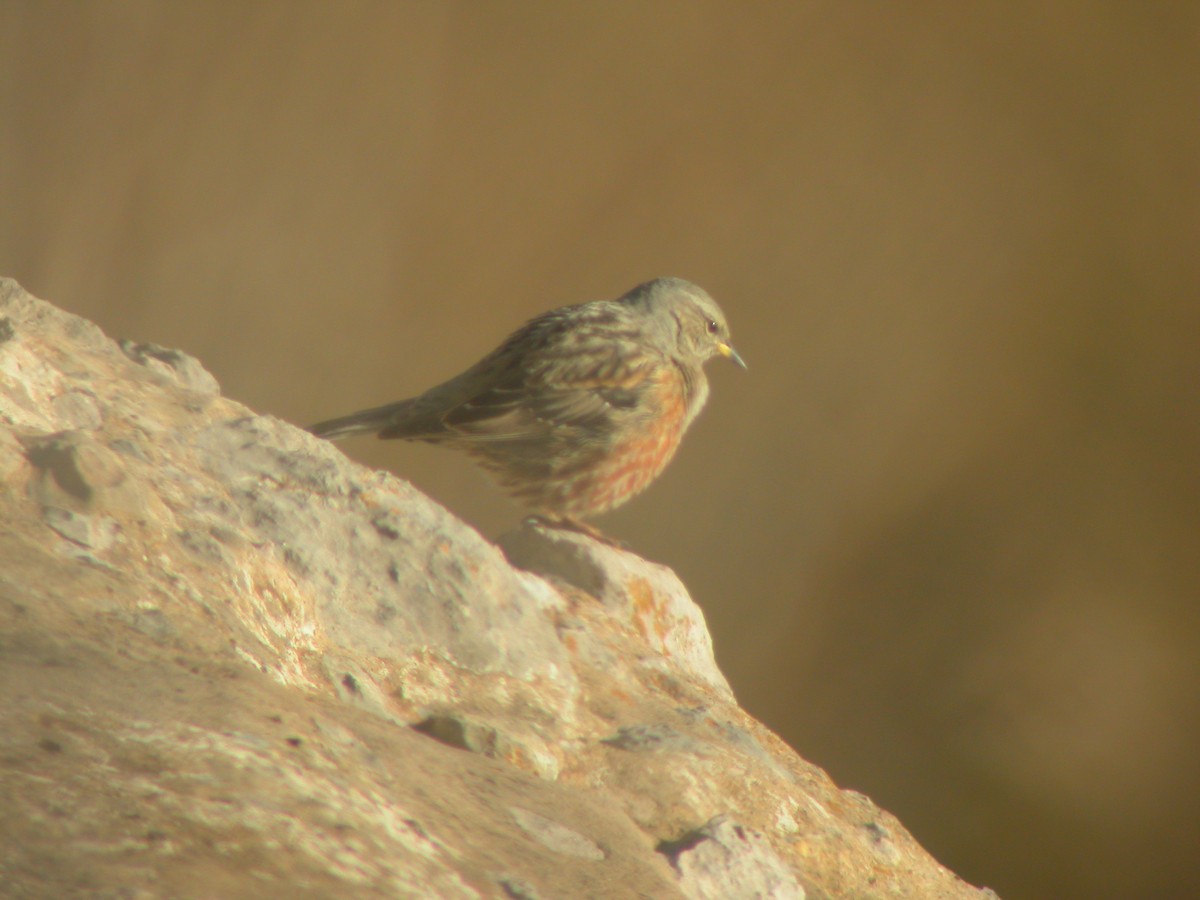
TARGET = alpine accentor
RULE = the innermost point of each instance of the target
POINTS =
(581, 408)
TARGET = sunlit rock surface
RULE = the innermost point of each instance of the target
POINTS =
(237, 664)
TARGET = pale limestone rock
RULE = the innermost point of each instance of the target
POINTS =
(238, 665)
(723, 859)
(649, 596)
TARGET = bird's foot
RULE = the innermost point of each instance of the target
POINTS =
(568, 524)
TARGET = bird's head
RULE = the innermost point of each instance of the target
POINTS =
(686, 319)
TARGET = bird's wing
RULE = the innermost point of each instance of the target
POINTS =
(577, 386)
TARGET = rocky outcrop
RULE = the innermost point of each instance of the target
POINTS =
(236, 664)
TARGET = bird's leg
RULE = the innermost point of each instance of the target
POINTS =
(568, 524)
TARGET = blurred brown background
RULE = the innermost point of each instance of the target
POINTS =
(945, 529)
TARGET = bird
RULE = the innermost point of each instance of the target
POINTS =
(578, 410)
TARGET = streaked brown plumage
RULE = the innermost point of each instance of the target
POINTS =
(581, 408)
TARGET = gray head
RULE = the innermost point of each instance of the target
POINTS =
(686, 318)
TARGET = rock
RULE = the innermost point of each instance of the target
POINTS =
(650, 596)
(723, 859)
(237, 664)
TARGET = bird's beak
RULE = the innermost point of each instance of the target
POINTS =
(729, 353)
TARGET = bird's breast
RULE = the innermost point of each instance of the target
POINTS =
(642, 446)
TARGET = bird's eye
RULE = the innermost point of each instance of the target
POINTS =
(713, 327)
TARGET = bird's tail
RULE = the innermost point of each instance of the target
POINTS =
(366, 421)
